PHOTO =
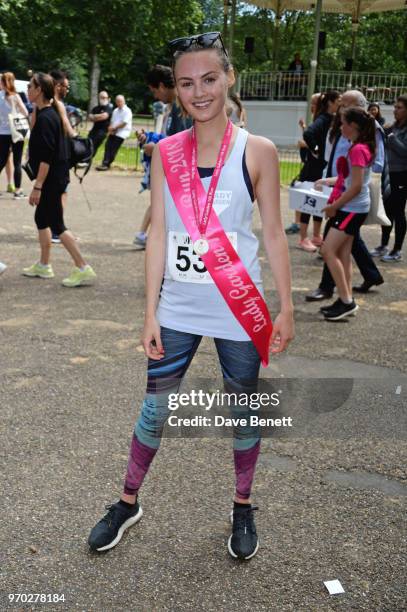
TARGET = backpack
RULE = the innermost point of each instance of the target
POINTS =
(80, 155)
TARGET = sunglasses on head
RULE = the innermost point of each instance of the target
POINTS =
(206, 41)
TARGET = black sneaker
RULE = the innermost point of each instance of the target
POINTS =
(19, 195)
(379, 251)
(331, 307)
(339, 310)
(318, 294)
(392, 256)
(109, 531)
(243, 543)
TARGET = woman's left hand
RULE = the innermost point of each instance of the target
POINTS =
(330, 211)
(283, 332)
(34, 198)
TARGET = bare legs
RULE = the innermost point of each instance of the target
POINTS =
(304, 229)
(67, 240)
(71, 246)
(9, 171)
(336, 251)
(44, 236)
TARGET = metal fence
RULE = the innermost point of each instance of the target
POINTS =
(129, 158)
(378, 87)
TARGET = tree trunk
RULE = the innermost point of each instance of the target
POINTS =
(94, 79)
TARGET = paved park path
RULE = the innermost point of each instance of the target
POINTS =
(332, 493)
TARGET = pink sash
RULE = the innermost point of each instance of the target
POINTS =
(222, 262)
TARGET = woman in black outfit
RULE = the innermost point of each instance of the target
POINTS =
(48, 160)
(395, 204)
(315, 138)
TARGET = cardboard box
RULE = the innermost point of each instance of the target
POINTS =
(306, 199)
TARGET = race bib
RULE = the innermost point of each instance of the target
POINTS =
(184, 264)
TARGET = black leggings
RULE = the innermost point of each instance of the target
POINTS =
(6, 142)
(49, 212)
(305, 217)
(113, 144)
(395, 207)
(97, 137)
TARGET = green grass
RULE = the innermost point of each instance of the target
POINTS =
(288, 171)
(126, 158)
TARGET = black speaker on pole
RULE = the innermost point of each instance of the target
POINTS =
(322, 41)
(249, 44)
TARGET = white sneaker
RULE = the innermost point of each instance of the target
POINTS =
(392, 256)
(3, 267)
(140, 239)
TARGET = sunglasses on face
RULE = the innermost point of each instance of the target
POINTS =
(206, 41)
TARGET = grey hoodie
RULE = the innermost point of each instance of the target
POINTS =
(397, 149)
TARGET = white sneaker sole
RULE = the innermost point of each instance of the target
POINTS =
(29, 275)
(349, 313)
(131, 521)
(232, 553)
(81, 283)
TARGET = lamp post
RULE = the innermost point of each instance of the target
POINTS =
(232, 28)
(314, 60)
(225, 19)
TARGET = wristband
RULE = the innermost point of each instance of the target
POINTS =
(37, 188)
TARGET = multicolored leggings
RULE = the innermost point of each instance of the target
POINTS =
(240, 365)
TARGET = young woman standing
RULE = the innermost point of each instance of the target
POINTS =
(49, 164)
(10, 101)
(209, 289)
(348, 206)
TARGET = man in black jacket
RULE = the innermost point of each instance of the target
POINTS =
(100, 116)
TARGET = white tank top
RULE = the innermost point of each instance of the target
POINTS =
(190, 301)
(5, 109)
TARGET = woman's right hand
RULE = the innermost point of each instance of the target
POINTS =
(318, 184)
(151, 339)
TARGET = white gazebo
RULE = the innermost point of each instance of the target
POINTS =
(356, 8)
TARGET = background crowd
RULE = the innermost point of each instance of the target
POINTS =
(320, 147)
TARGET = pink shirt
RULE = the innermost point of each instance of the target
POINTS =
(358, 155)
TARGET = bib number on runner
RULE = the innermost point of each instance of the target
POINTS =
(184, 264)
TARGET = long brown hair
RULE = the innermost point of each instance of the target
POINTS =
(47, 85)
(7, 81)
(323, 101)
(223, 59)
(335, 130)
(236, 99)
(366, 126)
